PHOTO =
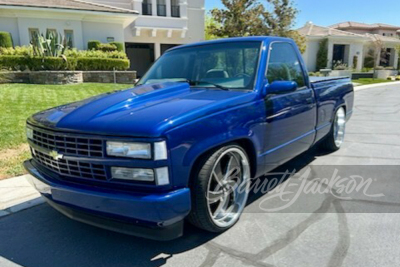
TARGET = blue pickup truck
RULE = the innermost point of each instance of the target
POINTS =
(186, 141)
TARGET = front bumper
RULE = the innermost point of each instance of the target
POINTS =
(155, 216)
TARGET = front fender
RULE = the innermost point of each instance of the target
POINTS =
(187, 143)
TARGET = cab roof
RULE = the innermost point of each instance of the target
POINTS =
(265, 39)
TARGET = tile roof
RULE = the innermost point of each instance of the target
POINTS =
(67, 4)
(318, 31)
(314, 30)
(359, 25)
(383, 38)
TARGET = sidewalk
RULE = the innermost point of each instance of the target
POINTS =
(17, 194)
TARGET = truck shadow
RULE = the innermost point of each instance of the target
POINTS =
(40, 237)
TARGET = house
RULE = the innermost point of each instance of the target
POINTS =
(351, 42)
(147, 27)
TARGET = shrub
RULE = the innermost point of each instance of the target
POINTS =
(369, 60)
(107, 47)
(366, 69)
(49, 45)
(338, 65)
(21, 63)
(93, 44)
(22, 58)
(48, 63)
(397, 78)
(322, 55)
(87, 63)
(120, 46)
(95, 54)
(314, 74)
(11, 62)
(17, 51)
(5, 39)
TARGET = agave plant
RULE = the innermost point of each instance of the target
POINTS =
(51, 45)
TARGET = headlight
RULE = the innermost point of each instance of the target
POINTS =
(146, 175)
(130, 150)
(29, 133)
(137, 150)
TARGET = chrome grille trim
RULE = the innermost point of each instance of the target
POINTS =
(71, 168)
(71, 145)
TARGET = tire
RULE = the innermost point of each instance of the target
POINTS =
(220, 188)
(333, 141)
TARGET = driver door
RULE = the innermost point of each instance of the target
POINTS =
(291, 116)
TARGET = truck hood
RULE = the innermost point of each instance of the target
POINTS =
(144, 111)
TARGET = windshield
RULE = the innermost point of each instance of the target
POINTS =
(230, 65)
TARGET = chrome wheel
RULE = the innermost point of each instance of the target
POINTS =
(339, 126)
(228, 187)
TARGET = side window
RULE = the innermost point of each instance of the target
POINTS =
(284, 65)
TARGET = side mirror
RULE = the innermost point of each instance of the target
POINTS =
(280, 87)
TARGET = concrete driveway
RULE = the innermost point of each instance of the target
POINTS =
(317, 230)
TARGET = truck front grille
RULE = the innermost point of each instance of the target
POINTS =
(75, 146)
(71, 168)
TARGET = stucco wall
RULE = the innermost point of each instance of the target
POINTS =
(310, 55)
(24, 24)
(100, 31)
(10, 25)
(356, 48)
(190, 25)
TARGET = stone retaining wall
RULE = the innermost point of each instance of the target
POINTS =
(67, 77)
(109, 76)
(14, 77)
(55, 77)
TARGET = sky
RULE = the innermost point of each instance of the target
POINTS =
(328, 12)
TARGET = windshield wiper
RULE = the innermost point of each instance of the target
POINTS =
(194, 83)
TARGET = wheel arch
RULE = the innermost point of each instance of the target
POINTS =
(340, 105)
(245, 143)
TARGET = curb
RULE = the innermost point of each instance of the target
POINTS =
(16, 194)
(368, 86)
(23, 206)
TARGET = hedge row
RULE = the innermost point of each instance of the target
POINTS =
(97, 45)
(53, 63)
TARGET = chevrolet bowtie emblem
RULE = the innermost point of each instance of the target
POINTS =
(54, 154)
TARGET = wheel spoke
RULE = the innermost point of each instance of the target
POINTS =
(217, 174)
(215, 196)
(221, 206)
(232, 168)
(227, 212)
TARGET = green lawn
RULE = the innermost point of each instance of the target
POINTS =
(365, 81)
(19, 101)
